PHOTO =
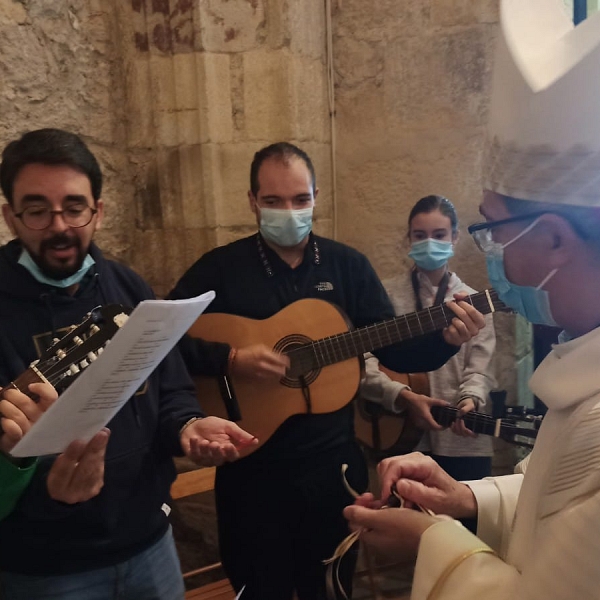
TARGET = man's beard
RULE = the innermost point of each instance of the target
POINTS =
(57, 272)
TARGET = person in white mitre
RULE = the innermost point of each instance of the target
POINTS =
(538, 533)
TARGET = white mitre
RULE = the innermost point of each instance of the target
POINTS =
(544, 126)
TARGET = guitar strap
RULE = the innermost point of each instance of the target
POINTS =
(441, 293)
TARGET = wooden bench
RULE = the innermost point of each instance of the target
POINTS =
(189, 484)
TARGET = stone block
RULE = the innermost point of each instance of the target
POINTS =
(166, 129)
(186, 80)
(140, 122)
(268, 109)
(449, 13)
(284, 97)
(227, 180)
(194, 200)
(306, 28)
(215, 97)
(231, 25)
(163, 81)
(309, 100)
(12, 12)
(162, 256)
(380, 20)
(189, 128)
(438, 80)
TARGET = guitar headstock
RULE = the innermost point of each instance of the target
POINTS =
(81, 346)
(520, 426)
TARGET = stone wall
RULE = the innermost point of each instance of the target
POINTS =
(175, 96)
(60, 66)
(412, 92)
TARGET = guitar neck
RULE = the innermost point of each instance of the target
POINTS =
(21, 383)
(337, 348)
(481, 423)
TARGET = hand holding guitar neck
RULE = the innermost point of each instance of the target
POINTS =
(467, 322)
(18, 412)
(25, 399)
(458, 427)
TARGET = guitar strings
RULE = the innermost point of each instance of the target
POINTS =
(349, 344)
(53, 369)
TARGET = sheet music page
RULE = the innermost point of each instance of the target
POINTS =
(91, 401)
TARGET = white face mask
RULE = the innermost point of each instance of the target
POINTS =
(285, 227)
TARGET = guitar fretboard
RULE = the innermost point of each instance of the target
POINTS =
(343, 346)
(481, 423)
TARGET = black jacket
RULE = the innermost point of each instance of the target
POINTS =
(250, 280)
(43, 536)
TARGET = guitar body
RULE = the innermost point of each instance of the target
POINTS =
(265, 405)
(384, 432)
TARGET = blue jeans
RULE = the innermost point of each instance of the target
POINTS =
(154, 574)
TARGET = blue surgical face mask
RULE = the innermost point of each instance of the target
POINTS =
(431, 254)
(533, 303)
(285, 227)
(28, 262)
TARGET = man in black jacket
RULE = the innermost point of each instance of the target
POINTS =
(280, 509)
(119, 543)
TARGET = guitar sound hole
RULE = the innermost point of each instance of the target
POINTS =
(292, 379)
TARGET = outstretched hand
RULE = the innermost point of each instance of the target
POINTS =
(212, 441)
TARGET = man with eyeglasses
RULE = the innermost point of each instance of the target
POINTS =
(118, 543)
(538, 529)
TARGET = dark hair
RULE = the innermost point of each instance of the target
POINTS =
(429, 204)
(48, 147)
(282, 151)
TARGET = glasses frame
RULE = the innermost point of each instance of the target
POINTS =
(53, 214)
(487, 225)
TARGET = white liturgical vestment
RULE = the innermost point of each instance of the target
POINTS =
(547, 540)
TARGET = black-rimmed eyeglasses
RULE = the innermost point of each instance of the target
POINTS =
(39, 217)
(482, 232)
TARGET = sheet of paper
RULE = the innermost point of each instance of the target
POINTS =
(91, 401)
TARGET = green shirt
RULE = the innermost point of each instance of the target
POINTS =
(13, 481)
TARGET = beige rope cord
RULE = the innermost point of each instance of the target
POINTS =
(332, 577)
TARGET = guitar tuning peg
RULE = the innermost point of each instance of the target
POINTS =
(55, 341)
(94, 328)
(77, 340)
(74, 370)
(92, 356)
(61, 354)
(100, 350)
(84, 363)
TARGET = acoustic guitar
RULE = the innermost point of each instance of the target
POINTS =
(388, 434)
(325, 359)
(62, 362)
(384, 432)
